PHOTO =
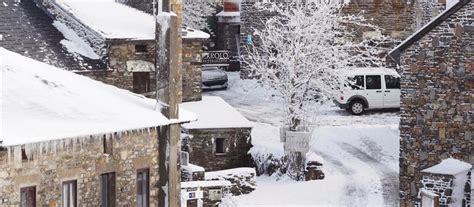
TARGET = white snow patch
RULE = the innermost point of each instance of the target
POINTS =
(193, 168)
(41, 102)
(449, 166)
(458, 188)
(228, 14)
(266, 140)
(213, 112)
(195, 34)
(243, 171)
(204, 184)
(74, 43)
(5, 4)
(111, 19)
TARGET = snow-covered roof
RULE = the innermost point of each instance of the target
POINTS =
(42, 103)
(117, 21)
(449, 166)
(372, 71)
(205, 183)
(243, 171)
(193, 168)
(195, 34)
(228, 14)
(213, 112)
(111, 19)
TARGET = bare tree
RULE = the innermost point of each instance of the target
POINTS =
(302, 52)
(197, 12)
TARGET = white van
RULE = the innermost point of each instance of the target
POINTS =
(369, 88)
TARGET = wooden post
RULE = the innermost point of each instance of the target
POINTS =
(168, 88)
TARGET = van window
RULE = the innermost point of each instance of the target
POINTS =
(356, 82)
(392, 82)
(373, 82)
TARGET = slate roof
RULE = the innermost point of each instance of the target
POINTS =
(395, 53)
(27, 30)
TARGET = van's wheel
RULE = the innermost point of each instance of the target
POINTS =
(357, 107)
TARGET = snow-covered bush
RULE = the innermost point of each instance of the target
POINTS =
(197, 12)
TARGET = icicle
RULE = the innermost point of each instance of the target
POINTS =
(9, 154)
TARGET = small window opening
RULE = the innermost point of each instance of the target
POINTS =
(141, 49)
(220, 148)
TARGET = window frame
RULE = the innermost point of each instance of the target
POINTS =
(141, 82)
(146, 172)
(141, 48)
(397, 83)
(367, 82)
(67, 183)
(216, 146)
(109, 190)
(27, 190)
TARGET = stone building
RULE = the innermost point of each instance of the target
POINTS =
(67, 140)
(437, 69)
(228, 32)
(80, 37)
(220, 137)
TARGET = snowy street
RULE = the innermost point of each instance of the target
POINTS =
(359, 153)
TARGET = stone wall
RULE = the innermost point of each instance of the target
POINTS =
(441, 185)
(122, 60)
(436, 100)
(237, 143)
(192, 80)
(243, 180)
(85, 164)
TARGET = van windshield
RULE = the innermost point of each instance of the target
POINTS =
(355, 82)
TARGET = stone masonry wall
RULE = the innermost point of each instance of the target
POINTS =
(441, 185)
(237, 144)
(192, 80)
(119, 54)
(437, 99)
(85, 164)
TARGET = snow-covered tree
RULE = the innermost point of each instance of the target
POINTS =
(197, 12)
(302, 52)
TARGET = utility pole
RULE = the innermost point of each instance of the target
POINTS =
(168, 80)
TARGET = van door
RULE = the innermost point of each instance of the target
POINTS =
(373, 91)
(391, 91)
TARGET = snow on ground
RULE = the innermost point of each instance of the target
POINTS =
(360, 153)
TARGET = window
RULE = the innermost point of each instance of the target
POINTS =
(70, 193)
(28, 197)
(392, 82)
(220, 148)
(141, 82)
(141, 49)
(107, 144)
(143, 188)
(357, 82)
(373, 82)
(107, 190)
